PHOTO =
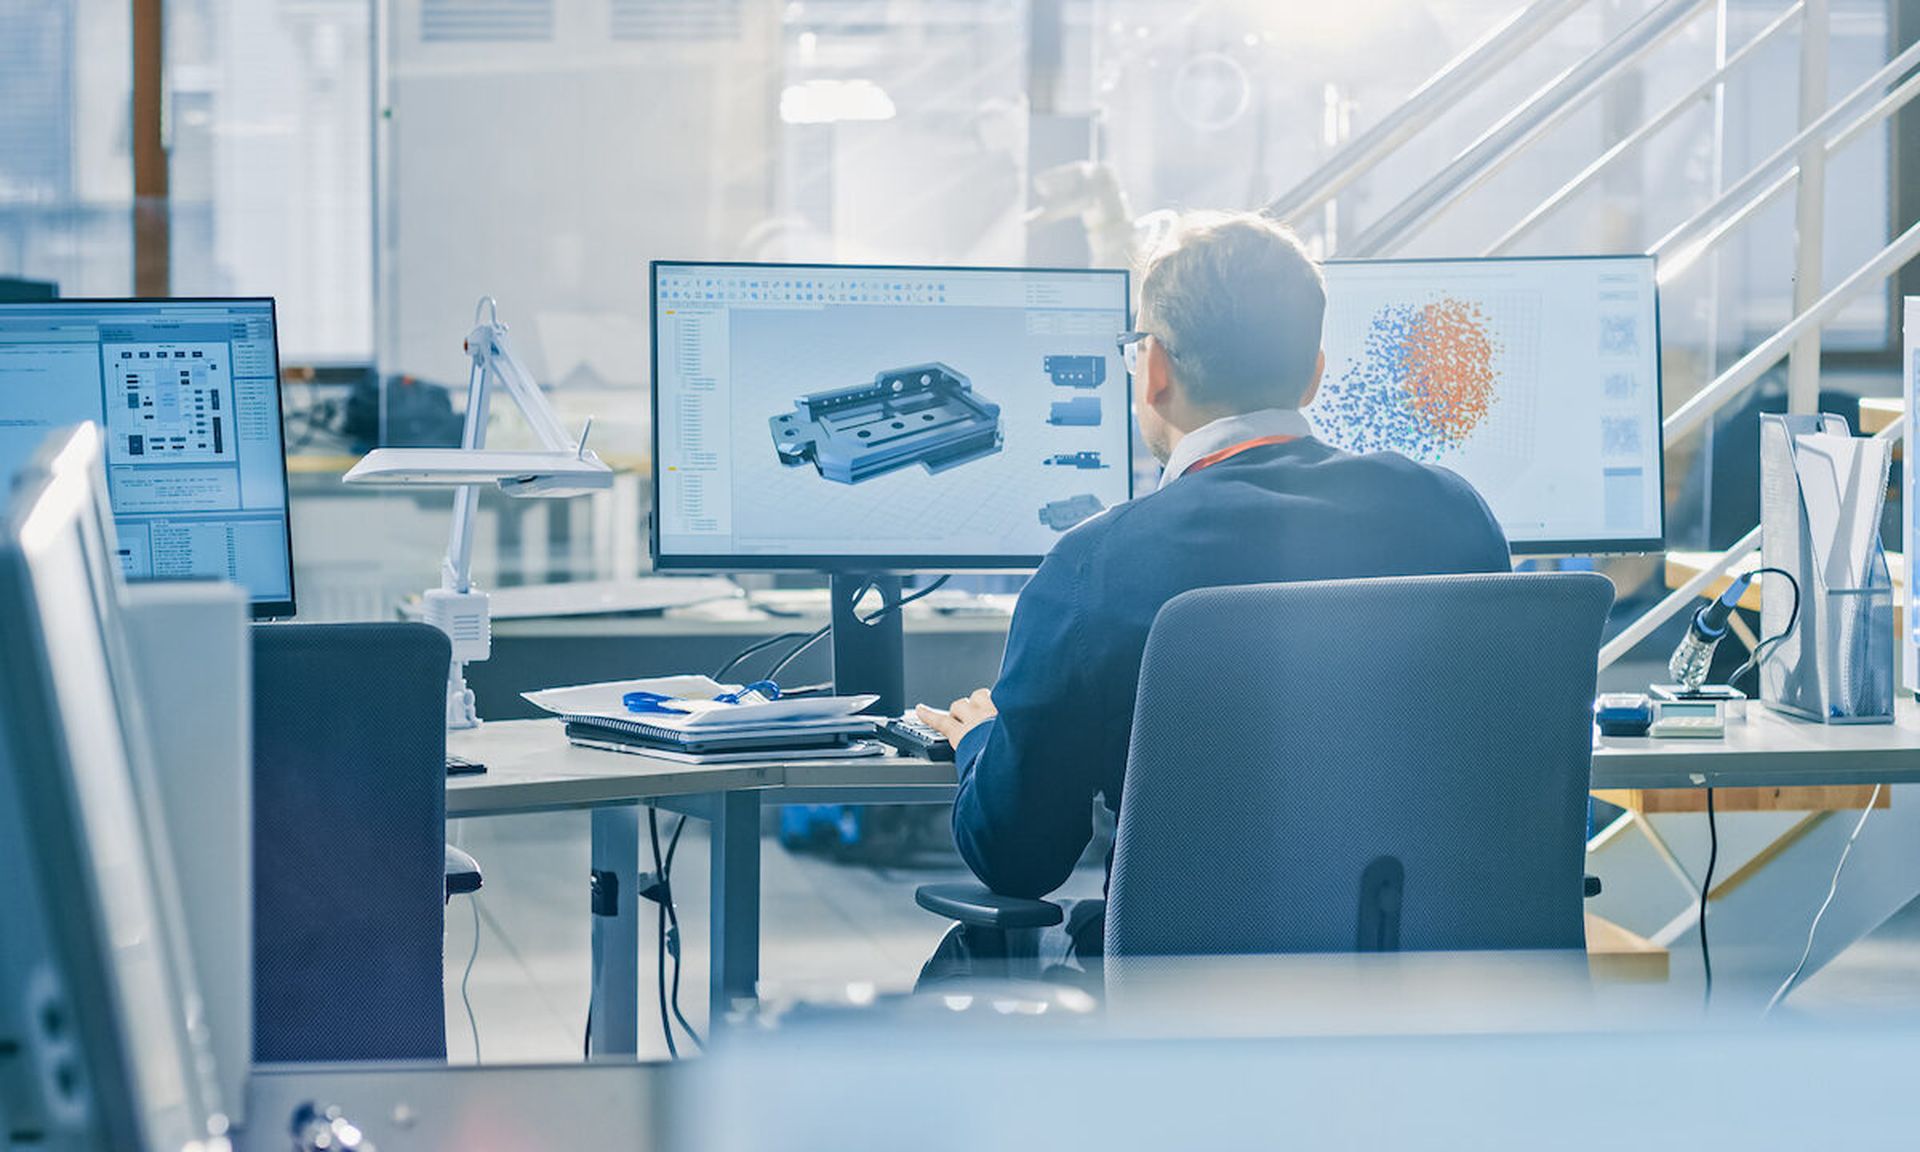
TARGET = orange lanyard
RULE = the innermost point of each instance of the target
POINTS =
(1232, 450)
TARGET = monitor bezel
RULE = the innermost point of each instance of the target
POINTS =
(979, 563)
(260, 609)
(1603, 546)
(58, 512)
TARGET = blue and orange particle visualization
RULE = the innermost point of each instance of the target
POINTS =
(1424, 382)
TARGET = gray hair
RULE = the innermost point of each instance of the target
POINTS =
(1238, 303)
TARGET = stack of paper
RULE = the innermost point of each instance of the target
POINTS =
(699, 729)
(1843, 485)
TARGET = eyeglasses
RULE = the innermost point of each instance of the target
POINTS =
(1129, 344)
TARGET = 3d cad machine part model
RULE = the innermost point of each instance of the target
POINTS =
(926, 414)
(1079, 412)
(1081, 460)
(1061, 515)
(1076, 371)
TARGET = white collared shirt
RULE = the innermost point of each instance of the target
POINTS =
(1230, 430)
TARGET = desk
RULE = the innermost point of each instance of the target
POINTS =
(1768, 750)
(532, 768)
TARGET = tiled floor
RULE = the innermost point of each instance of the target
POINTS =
(825, 925)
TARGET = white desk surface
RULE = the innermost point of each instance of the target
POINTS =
(1768, 749)
(532, 768)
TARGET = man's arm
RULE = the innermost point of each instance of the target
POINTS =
(1026, 756)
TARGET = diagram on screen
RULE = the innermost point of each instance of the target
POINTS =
(1423, 383)
(927, 414)
(1061, 515)
(170, 403)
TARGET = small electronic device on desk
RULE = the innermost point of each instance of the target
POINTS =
(1689, 719)
(1623, 713)
(1732, 701)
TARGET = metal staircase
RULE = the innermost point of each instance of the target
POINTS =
(1747, 904)
(1799, 164)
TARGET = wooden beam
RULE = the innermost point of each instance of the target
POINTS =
(151, 227)
(1806, 798)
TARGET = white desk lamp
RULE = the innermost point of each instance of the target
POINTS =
(561, 467)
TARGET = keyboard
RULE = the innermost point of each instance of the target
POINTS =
(913, 738)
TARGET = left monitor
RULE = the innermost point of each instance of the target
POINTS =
(188, 393)
(116, 1052)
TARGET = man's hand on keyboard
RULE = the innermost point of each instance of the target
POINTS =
(960, 718)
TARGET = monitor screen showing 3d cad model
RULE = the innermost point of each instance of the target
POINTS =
(1538, 380)
(883, 418)
(188, 392)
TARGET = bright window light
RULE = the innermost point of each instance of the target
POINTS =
(831, 101)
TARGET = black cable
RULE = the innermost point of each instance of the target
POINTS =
(673, 926)
(752, 648)
(1706, 890)
(1765, 647)
(660, 967)
(793, 653)
(820, 633)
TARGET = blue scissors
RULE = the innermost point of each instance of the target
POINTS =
(658, 702)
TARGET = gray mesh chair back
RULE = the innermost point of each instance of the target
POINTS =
(1361, 765)
(349, 835)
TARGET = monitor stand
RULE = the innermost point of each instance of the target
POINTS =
(869, 657)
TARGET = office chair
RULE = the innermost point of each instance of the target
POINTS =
(351, 867)
(1400, 765)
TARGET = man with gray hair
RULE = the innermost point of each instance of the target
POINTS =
(1226, 355)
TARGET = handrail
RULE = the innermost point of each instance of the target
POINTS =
(1780, 163)
(1704, 403)
(1640, 135)
(1672, 266)
(1540, 112)
(1680, 597)
(1423, 106)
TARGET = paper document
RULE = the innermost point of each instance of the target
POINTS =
(1843, 480)
(1910, 363)
(695, 694)
(859, 749)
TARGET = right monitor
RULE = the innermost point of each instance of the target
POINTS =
(1535, 379)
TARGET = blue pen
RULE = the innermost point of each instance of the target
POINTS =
(651, 702)
(764, 689)
(757, 692)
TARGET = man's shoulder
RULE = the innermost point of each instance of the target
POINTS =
(1340, 471)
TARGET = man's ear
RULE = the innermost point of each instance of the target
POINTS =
(1313, 385)
(1158, 377)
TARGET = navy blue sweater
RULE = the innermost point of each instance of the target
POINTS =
(1294, 511)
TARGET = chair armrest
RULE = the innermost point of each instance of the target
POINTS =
(1591, 886)
(462, 872)
(977, 905)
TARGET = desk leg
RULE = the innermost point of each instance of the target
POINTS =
(734, 964)
(616, 938)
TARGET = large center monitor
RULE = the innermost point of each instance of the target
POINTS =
(1538, 380)
(883, 418)
(189, 394)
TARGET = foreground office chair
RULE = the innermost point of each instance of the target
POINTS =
(351, 872)
(1367, 765)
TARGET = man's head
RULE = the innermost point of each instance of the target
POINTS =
(1232, 305)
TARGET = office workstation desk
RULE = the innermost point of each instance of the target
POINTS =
(532, 768)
